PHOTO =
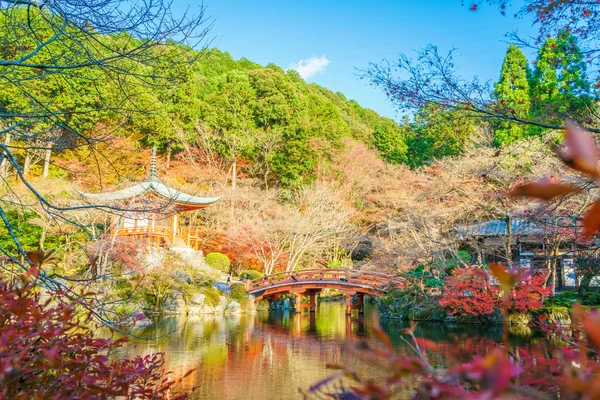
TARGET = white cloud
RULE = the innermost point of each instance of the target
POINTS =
(310, 67)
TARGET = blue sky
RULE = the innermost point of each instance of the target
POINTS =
(341, 36)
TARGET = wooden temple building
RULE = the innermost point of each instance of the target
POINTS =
(149, 213)
(533, 245)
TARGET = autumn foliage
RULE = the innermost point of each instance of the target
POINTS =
(48, 351)
(528, 294)
(470, 291)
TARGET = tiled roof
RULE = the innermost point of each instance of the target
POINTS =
(154, 186)
(519, 227)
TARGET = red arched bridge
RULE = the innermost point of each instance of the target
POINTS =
(311, 281)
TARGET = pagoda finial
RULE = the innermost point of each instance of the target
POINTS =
(152, 176)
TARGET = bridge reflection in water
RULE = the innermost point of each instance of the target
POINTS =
(309, 282)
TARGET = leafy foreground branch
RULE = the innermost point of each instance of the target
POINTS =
(565, 365)
(48, 351)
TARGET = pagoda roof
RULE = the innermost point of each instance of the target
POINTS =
(153, 186)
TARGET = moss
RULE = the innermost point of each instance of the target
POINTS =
(213, 297)
(262, 305)
(428, 311)
(238, 291)
(246, 304)
(401, 304)
(218, 261)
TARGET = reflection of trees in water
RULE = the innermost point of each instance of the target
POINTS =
(269, 355)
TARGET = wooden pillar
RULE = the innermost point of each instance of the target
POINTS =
(361, 303)
(313, 302)
(348, 304)
(175, 226)
(298, 305)
(348, 326)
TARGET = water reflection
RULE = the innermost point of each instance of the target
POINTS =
(269, 355)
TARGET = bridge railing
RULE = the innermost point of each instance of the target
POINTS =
(375, 279)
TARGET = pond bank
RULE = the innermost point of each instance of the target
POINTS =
(401, 307)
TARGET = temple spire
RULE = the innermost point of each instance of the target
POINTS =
(152, 176)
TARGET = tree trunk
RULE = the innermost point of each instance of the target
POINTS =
(27, 163)
(584, 285)
(553, 276)
(4, 163)
(46, 163)
(234, 174)
(168, 155)
(43, 238)
(508, 244)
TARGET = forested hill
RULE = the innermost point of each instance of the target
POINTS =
(262, 122)
(272, 118)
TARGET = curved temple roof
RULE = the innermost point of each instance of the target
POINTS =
(153, 185)
(156, 187)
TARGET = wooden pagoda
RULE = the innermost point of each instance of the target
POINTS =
(149, 212)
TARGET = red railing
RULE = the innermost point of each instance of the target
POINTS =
(376, 280)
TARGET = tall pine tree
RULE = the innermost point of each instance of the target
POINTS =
(512, 96)
(559, 86)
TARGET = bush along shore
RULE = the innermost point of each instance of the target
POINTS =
(469, 295)
(419, 306)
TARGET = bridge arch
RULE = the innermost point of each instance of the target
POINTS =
(312, 281)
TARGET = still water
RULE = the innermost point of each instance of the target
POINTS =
(269, 355)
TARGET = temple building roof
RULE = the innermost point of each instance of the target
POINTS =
(154, 187)
(518, 226)
(498, 227)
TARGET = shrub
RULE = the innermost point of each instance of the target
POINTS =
(563, 299)
(218, 261)
(252, 273)
(238, 291)
(49, 352)
(468, 292)
(528, 294)
(199, 277)
(213, 297)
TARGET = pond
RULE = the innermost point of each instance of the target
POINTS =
(269, 355)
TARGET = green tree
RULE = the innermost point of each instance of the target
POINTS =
(512, 96)
(229, 112)
(390, 141)
(559, 85)
(436, 133)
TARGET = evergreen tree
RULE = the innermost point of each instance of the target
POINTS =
(559, 85)
(571, 67)
(544, 84)
(512, 96)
